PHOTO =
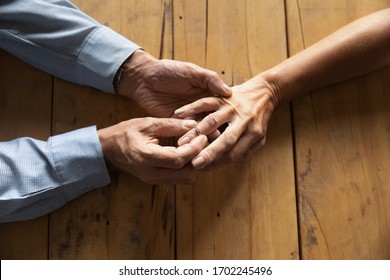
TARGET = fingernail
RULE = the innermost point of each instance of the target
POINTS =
(183, 141)
(179, 111)
(227, 88)
(199, 162)
(190, 123)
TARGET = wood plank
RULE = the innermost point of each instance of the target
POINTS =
(128, 219)
(242, 211)
(25, 111)
(342, 147)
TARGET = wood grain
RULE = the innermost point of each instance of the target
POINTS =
(342, 147)
(243, 211)
(340, 139)
(128, 219)
(25, 111)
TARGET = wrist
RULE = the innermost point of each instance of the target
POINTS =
(107, 138)
(133, 72)
(268, 81)
(104, 140)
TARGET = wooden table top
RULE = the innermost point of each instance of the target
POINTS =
(319, 189)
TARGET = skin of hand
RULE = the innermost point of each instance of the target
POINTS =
(356, 49)
(133, 146)
(162, 86)
(246, 112)
(159, 87)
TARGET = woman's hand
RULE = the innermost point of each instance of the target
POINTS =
(246, 114)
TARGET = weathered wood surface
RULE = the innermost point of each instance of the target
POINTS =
(241, 211)
(128, 219)
(25, 110)
(342, 135)
(331, 149)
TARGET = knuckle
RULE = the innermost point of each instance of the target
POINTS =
(174, 159)
(211, 74)
(177, 162)
(258, 132)
(231, 137)
(148, 155)
(212, 120)
(214, 75)
(168, 123)
(150, 121)
(193, 106)
(263, 140)
(209, 154)
(235, 156)
(204, 103)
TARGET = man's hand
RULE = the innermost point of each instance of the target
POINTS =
(162, 86)
(133, 147)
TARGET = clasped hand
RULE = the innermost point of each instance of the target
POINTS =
(159, 87)
(184, 91)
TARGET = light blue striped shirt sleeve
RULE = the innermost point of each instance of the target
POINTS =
(37, 177)
(56, 37)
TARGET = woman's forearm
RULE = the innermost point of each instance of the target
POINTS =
(355, 49)
(358, 48)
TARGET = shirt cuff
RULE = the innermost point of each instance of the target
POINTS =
(101, 56)
(79, 161)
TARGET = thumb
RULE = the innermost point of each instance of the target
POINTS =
(211, 81)
(218, 87)
(170, 127)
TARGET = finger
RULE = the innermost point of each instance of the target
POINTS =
(213, 135)
(218, 163)
(249, 154)
(216, 149)
(244, 144)
(210, 80)
(169, 127)
(226, 158)
(199, 106)
(174, 157)
(208, 125)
